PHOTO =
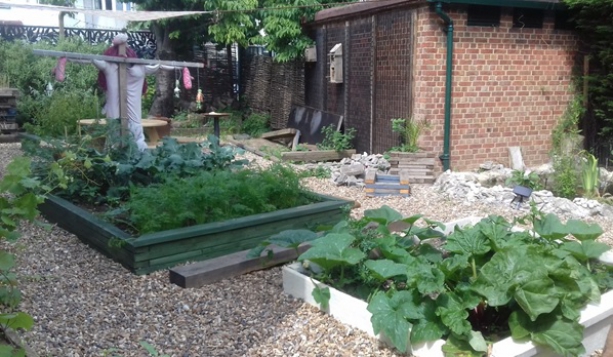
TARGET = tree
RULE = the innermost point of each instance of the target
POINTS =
(276, 24)
(594, 24)
(175, 39)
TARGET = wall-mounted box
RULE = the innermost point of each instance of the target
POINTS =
(336, 63)
(310, 54)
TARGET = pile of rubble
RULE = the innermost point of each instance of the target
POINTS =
(350, 171)
(467, 187)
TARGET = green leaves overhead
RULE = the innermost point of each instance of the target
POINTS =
(333, 250)
(276, 24)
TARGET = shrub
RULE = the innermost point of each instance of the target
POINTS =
(256, 124)
(526, 179)
(336, 140)
(565, 177)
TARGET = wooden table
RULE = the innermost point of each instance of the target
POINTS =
(216, 117)
(149, 128)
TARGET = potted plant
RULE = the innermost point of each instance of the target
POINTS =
(487, 287)
(408, 155)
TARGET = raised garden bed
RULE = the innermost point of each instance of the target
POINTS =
(351, 311)
(463, 287)
(160, 250)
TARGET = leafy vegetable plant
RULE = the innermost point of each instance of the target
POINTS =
(106, 176)
(471, 287)
(212, 196)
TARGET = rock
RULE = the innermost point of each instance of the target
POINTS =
(351, 181)
(354, 169)
(356, 157)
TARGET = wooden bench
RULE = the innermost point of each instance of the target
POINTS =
(150, 128)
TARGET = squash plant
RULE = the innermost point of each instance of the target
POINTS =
(19, 199)
(472, 287)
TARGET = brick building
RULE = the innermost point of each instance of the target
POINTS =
(510, 79)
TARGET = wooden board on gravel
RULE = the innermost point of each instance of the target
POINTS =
(201, 273)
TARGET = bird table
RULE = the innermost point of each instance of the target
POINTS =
(216, 117)
(149, 128)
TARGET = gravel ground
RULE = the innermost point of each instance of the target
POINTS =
(86, 305)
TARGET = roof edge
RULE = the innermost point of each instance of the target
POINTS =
(534, 4)
(358, 8)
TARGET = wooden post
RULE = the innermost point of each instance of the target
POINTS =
(61, 29)
(123, 92)
(586, 73)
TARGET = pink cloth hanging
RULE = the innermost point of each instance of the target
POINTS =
(114, 51)
(60, 69)
(187, 79)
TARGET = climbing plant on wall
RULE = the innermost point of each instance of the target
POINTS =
(594, 24)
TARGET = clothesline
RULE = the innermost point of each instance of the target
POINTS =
(85, 56)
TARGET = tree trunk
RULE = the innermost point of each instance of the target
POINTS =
(163, 104)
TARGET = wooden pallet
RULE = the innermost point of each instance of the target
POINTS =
(387, 185)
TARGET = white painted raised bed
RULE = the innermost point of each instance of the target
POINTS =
(597, 318)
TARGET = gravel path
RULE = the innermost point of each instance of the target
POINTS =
(86, 305)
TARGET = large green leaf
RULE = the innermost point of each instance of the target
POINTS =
(322, 296)
(586, 250)
(425, 330)
(383, 215)
(411, 220)
(384, 269)
(389, 315)
(456, 347)
(476, 341)
(562, 335)
(498, 234)
(292, 238)
(17, 320)
(470, 241)
(426, 233)
(550, 227)
(506, 270)
(537, 297)
(430, 280)
(333, 250)
(7, 260)
(453, 314)
(583, 230)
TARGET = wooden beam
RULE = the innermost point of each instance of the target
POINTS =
(85, 56)
(323, 155)
(209, 271)
(123, 91)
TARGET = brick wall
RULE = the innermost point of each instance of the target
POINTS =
(335, 93)
(377, 58)
(510, 87)
(359, 74)
(392, 75)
